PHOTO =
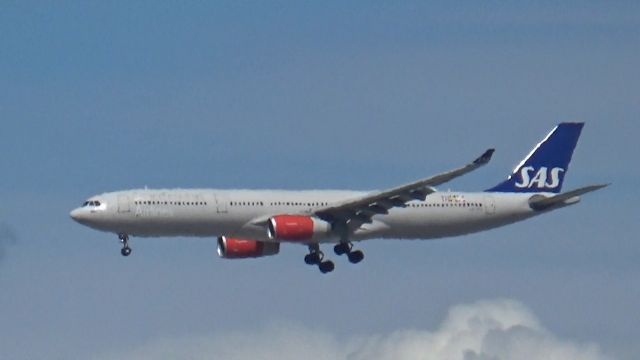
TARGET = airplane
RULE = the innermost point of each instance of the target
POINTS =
(253, 223)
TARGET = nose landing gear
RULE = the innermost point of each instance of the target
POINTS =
(124, 239)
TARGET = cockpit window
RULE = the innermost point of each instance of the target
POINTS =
(97, 203)
(91, 203)
(85, 204)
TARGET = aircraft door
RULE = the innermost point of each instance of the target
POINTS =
(489, 205)
(221, 204)
(123, 204)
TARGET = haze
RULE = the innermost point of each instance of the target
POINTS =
(108, 96)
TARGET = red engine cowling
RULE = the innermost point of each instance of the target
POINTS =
(296, 227)
(230, 248)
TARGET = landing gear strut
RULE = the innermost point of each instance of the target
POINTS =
(315, 257)
(355, 256)
(124, 239)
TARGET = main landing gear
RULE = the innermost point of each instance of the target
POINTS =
(124, 239)
(355, 256)
(315, 257)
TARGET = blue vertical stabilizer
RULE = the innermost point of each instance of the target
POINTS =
(544, 169)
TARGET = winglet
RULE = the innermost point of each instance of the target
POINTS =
(484, 158)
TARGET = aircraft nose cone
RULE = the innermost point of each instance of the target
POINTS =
(76, 214)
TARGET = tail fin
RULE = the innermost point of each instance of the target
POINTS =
(544, 169)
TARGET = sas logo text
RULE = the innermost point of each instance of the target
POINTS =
(542, 179)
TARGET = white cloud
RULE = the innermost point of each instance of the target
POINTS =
(485, 330)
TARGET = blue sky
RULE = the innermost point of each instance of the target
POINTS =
(106, 96)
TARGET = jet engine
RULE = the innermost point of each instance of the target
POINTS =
(296, 227)
(231, 248)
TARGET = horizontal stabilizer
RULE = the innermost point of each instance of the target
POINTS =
(540, 202)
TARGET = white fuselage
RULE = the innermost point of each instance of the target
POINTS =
(233, 213)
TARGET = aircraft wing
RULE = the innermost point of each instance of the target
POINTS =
(540, 202)
(358, 211)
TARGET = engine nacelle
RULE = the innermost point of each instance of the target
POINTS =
(231, 248)
(296, 228)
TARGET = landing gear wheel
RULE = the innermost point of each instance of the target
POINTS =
(342, 248)
(326, 266)
(355, 256)
(314, 258)
(124, 239)
(345, 247)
